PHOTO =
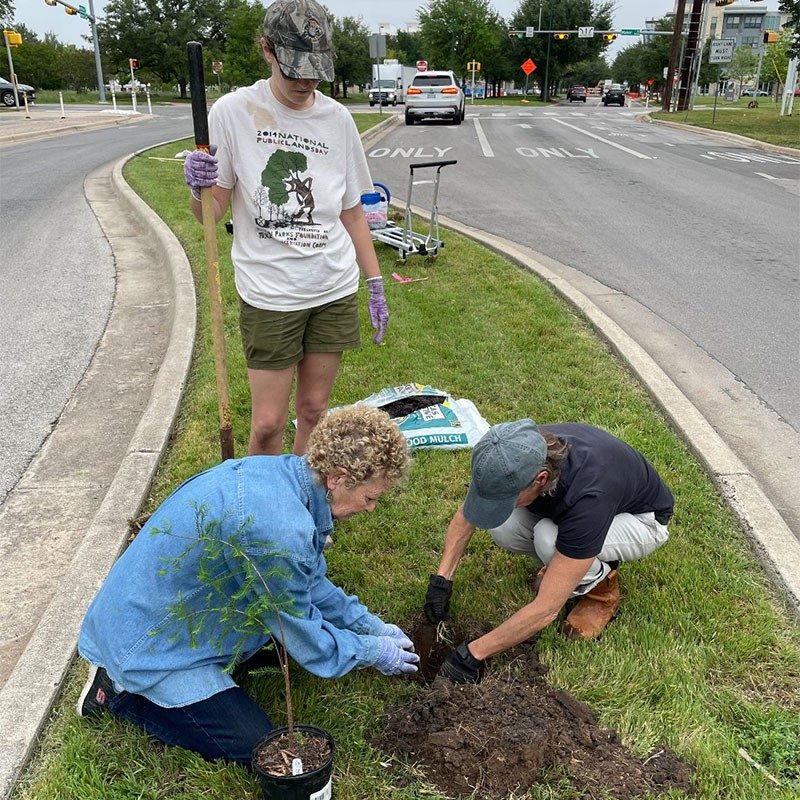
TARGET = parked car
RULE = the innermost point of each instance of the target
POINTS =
(759, 93)
(615, 94)
(576, 93)
(434, 95)
(7, 92)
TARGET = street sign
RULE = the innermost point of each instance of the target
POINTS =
(377, 45)
(585, 33)
(529, 31)
(528, 66)
(666, 71)
(216, 67)
(721, 51)
(82, 12)
(422, 66)
(630, 31)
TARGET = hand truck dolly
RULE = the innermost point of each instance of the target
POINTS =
(404, 239)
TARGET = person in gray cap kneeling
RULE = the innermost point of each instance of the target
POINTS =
(572, 496)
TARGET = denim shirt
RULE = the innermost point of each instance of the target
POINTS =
(280, 514)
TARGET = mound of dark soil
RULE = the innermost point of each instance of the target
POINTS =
(513, 731)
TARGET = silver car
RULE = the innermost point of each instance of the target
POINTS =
(434, 95)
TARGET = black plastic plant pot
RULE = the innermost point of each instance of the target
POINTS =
(313, 785)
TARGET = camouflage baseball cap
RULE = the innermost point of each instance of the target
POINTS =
(301, 38)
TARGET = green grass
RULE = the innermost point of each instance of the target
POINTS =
(763, 123)
(701, 658)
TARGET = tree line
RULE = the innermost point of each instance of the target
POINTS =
(451, 33)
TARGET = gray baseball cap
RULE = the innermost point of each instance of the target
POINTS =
(301, 37)
(504, 462)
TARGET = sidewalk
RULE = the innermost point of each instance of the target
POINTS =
(15, 127)
(93, 474)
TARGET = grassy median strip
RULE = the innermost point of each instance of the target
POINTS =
(763, 123)
(701, 658)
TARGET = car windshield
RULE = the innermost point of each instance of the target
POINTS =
(433, 80)
(384, 84)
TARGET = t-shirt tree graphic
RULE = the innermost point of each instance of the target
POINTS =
(280, 179)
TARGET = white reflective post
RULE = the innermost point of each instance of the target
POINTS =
(61, 103)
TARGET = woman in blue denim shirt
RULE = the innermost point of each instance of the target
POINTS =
(150, 665)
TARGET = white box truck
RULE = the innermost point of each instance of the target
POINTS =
(389, 82)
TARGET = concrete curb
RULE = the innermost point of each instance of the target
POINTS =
(368, 138)
(30, 136)
(734, 138)
(35, 682)
(770, 537)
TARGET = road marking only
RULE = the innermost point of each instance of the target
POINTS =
(605, 141)
(484, 142)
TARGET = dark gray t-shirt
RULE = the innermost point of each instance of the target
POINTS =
(601, 477)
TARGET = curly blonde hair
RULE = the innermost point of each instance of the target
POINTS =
(362, 440)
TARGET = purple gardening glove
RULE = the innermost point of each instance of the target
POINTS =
(200, 170)
(378, 310)
(393, 660)
(399, 636)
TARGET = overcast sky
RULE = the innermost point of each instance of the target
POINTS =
(395, 14)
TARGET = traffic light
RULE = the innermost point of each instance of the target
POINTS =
(70, 10)
(723, 2)
(13, 38)
(134, 62)
(50, 2)
(561, 36)
(770, 37)
(516, 34)
(609, 37)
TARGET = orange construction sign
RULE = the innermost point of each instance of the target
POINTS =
(528, 66)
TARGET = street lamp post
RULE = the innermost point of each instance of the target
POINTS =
(97, 65)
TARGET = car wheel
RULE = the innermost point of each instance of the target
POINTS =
(371, 105)
(457, 119)
(463, 113)
(409, 119)
(584, 99)
(8, 99)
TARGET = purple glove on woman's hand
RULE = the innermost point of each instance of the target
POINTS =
(378, 310)
(200, 170)
(393, 660)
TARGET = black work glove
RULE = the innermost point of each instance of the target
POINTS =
(437, 599)
(462, 667)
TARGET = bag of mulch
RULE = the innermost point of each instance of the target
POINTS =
(430, 418)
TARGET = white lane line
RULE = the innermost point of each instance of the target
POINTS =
(550, 114)
(605, 141)
(521, 114)
(485, 146)
(768, 177)
(498, 114)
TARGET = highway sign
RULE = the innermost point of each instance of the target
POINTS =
(528, 66)
(721, 51)
(585, 33)
(630, 31)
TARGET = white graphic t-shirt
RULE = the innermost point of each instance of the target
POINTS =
(292, 173)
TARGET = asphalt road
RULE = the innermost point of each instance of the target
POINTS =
(696, 236)
(57, 275)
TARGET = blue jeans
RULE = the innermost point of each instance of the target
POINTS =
(225, 726)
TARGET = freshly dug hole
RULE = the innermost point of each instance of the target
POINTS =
(513, 731)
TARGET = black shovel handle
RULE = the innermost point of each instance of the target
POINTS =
(423, 164)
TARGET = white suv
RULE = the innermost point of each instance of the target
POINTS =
(434, 95)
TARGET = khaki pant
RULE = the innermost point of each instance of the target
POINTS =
(630, 537)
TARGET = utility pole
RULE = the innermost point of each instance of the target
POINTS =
(689, 56)
(97, 65)
(677, 35)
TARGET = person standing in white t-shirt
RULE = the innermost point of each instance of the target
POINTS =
(290, 164)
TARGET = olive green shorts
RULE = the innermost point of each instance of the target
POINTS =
(279, 339)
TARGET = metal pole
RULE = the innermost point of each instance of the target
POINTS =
(97, 65)
(676, 95)
(546, 87)
(716, 95)
(11, 70)
(378, 73)
(114, 99)
(133, 87)
(758, 74)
